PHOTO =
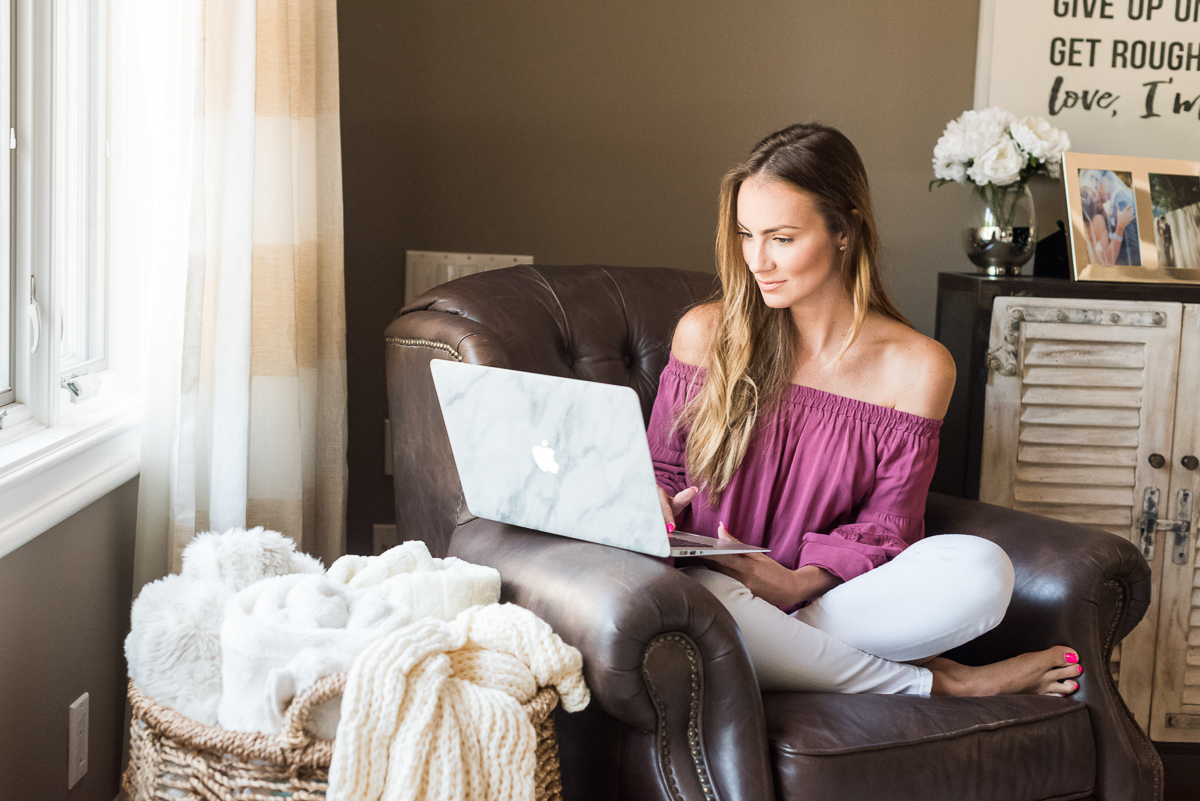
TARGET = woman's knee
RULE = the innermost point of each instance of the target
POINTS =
(984, 572)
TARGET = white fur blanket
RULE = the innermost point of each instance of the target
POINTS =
(174, 644)
(433, 710)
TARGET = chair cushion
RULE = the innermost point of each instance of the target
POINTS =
(862, 747)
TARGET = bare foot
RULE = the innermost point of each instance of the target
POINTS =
(1038, 672)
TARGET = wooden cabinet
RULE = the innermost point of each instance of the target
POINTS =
(1092, 415)
(964, 322)
(1175, 713)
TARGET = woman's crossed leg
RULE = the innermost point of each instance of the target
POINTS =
(862, 635)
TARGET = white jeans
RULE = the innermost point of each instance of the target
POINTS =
(937, 594)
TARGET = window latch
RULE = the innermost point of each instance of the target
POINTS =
(3, 414)
(82, 386)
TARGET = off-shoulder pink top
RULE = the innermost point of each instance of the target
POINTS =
(827, 480)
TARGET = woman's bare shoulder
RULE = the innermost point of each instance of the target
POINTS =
(919, 372)
(694, 333)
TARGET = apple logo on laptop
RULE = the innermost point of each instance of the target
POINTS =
(544, 457)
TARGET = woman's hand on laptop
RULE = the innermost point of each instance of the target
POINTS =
(672, 506)
(769, 580)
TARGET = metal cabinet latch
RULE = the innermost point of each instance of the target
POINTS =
(1150, 523)
(1181, 526)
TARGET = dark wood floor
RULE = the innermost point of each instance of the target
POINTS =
(1181, 764)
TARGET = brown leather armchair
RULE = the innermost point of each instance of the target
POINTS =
(676, 710)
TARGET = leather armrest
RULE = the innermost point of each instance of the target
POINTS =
(660, 652)
(1075, 586)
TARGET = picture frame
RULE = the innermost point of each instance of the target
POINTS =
(1133, 219)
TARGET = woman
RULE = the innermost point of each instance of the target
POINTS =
(802, 409)
(1108, 216)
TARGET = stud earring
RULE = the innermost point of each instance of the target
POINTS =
(843, 247)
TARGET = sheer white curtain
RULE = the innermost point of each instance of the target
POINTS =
(227, 225)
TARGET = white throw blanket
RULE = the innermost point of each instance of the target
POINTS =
(433, 711)
(408, 576)
(281, 635)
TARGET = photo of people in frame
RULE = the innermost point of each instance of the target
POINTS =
(1110, 217)
(1176, 200)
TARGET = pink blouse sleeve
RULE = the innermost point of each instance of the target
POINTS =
(891, 517)
(667, 448)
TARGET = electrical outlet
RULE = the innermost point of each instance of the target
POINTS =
(77, 740)
(384, 537)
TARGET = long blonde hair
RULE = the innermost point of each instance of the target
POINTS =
(752, 354)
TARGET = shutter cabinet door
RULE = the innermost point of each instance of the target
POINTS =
(1175, 715)
(1080, 394)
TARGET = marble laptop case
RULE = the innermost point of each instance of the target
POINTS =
(560, 455)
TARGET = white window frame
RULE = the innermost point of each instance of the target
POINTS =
(33, 274)
(79, 172)
(55, 456)
(8, 346)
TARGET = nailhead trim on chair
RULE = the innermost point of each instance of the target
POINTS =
(406, 342)
(1112, 624)
(423, 343)
(693, 715)
(1107, 651)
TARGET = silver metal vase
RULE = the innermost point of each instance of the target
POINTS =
(1002, 233)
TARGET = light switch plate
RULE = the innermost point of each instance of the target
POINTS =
(425, 269)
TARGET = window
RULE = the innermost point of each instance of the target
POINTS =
(54, 247)
(65, 439)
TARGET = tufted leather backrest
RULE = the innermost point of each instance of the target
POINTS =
(606, 324)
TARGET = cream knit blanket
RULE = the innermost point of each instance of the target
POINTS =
(432, 712)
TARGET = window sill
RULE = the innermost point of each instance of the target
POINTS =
(49, 474)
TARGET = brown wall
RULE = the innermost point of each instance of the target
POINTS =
(64, 613)
(597, 131)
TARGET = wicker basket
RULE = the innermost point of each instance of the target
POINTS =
(174, 758)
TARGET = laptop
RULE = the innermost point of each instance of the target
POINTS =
(560, 455)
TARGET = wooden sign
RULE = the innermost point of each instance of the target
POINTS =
(1121, 77)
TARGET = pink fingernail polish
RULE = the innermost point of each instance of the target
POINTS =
(670, 528)
(1071, 658)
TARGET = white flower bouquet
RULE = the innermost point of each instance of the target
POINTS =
(997, 153)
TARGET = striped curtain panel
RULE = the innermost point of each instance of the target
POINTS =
(297, 474)
(257, 432)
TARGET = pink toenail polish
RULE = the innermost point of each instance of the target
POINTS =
(1081, 668)
(1071, 658)
(670, 528)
